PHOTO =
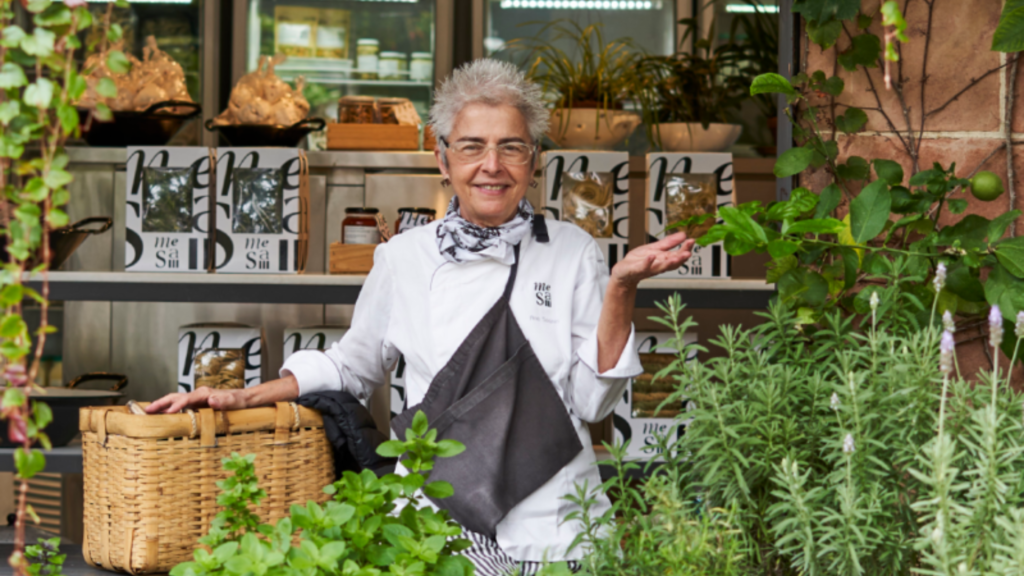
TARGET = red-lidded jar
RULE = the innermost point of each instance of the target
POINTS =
(412, 217)
(360, 226)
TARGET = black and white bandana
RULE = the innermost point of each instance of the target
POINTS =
(462, 241)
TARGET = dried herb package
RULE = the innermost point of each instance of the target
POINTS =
(587, 201)
(167, 199)
(258, 200)
(688, 197)
(220, 369)
(649, 394)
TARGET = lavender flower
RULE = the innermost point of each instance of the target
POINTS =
(995, 326)
(946, 347)
(874, 301)
(848, 447)
(947, 322)
(834, 404)
(1018, 328)
(940, 277)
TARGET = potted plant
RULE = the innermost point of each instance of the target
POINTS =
(759, 33)
(588, 86)
(694, 92)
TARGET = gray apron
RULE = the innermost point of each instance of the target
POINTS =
(495, 397)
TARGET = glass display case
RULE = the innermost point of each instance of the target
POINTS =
(346, 48)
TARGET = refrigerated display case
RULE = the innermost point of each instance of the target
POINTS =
(381, 48)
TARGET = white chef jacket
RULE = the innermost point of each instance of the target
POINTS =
(416, 303)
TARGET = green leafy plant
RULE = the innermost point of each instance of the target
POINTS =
(39, 84)
(371, 526)
(831, 247)
(45, 558)
(854, 450)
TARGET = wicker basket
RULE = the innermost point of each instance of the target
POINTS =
(150, 480)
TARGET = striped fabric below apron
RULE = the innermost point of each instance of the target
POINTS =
(491, 560)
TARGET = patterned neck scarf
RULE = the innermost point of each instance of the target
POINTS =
(462, 241)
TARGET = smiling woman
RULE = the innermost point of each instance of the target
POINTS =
(513, 333)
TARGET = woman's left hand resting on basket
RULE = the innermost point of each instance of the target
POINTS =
(280, 390)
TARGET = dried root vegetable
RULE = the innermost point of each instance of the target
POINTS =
(260, 97)
(156, 78)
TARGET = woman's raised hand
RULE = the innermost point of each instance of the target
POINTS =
(652, 259)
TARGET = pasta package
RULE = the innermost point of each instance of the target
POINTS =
(587, 201)
(649, 393)
(295, 30)
(258, 196)
(332, 33)
(688, 197)
(167, 199)
(220, 369)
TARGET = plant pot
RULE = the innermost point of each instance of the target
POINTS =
(692, 137)
(591, 128)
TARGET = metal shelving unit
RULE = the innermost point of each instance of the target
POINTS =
(339, 289)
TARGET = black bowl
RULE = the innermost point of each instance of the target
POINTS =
(148, 128)
(267, 134)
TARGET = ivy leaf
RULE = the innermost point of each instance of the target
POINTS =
(793, 161)
(863, 21)
(12, 36)
(57, 178)
(824, 35)
(106, 88)
(8, 110)
(829, 201)
(57, 218)
(869, 211)
(115, 33)
(118, 63)
(12, 326)
(68, 116)
(855, 168)
(12, 76)
(1011, 255)
(39, 93)
(40, 43)
(13, 397)
(772, 83)
(863, 51)
(834, 86)
(889, 171)
(853, 120)
(103, 113)
(11, 295)
(823, 10)
(29, 464)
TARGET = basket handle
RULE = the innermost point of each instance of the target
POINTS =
(287, 419)
(207, 428)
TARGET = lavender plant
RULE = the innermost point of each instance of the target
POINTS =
(849, 450)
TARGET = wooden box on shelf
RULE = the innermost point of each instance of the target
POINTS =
(372, 137)
(351, 258)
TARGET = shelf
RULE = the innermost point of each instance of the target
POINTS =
(339, 289)
(355, 82)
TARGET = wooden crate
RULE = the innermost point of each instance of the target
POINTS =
(372, 137)
(351, 258)
(429, 142)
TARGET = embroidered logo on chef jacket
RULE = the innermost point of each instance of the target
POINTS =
(543, 291)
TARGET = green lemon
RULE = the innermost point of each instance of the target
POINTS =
(986, 186)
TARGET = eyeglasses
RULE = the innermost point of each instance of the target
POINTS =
(508, 152)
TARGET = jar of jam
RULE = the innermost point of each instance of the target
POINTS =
(389, 109)
(357, 110)
(360, 226)
(412, 217)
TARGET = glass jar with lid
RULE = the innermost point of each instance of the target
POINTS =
(367, 50)
(388, 108)
(357, 110)
(391, 65)
(360, 226)
(409, 218)
(421, 69)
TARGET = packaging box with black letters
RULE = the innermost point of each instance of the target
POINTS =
(641, 417)
(590, 189)
(682, 185)
(220, 355)
(311, 338)
(258, 210)
(167, 224)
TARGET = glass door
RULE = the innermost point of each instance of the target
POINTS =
(347, 48)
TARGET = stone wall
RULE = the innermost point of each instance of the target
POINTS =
(970, 130)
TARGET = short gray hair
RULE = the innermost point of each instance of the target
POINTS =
(490, 82)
